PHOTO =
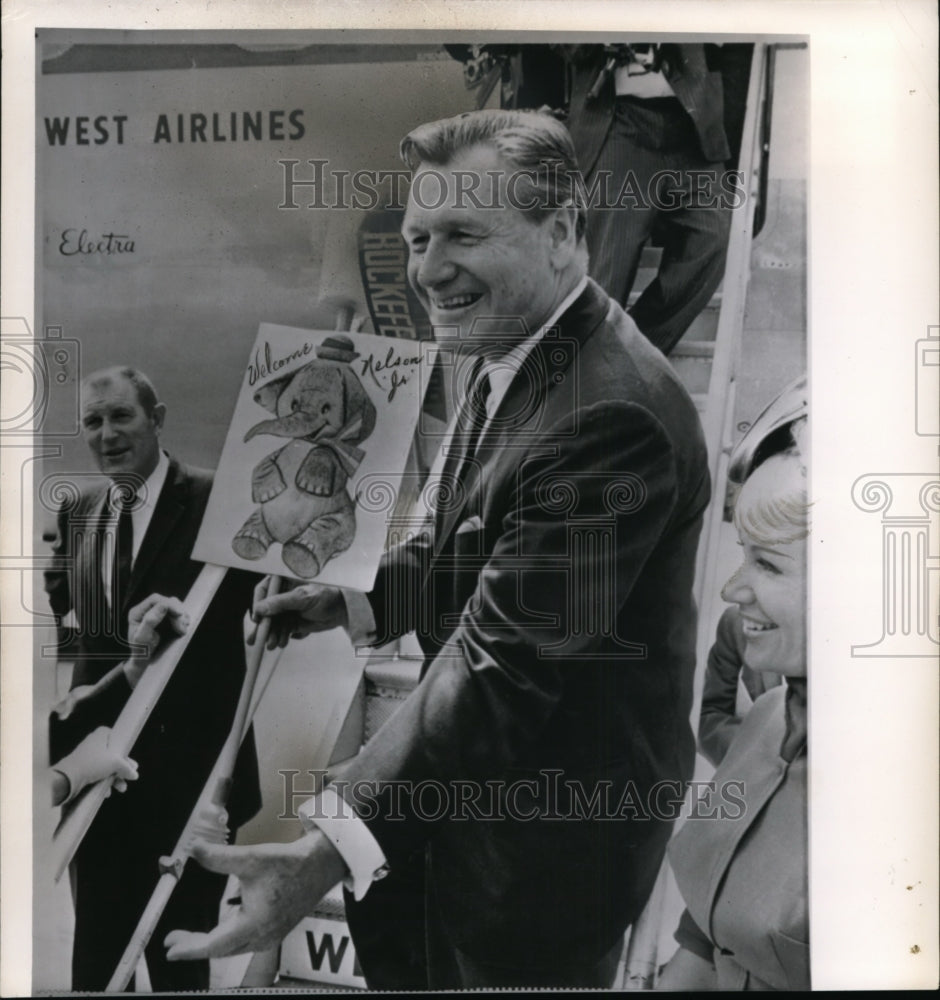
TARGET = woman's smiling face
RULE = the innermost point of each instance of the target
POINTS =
(770, 585)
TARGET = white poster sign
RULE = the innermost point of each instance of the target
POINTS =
(314, 454)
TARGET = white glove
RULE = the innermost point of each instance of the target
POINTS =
(94, 759)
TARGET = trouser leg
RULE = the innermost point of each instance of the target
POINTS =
(388, 929)
(694, 238)
(194, 905)
(597, 975)
(661, 187)
(113, 880)
(449, 968)
(619, 216)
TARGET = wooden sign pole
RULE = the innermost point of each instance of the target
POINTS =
(133, 716)
(214, 793)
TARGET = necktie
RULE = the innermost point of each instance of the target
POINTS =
(467, 429)
(122, 500)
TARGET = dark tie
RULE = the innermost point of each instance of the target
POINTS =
(467, 429)
(122, 500)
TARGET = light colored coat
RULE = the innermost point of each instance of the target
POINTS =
(744, 879)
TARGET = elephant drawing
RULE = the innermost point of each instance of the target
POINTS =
(300, 489)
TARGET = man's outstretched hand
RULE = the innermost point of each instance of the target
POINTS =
(296, 613)
(280, 884)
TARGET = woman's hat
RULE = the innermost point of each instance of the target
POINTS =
(770, 432)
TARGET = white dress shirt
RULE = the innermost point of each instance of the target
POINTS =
(328, 811)
(634, 80)
(141, 515)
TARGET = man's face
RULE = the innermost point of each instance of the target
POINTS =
(121, 436)
(468, 261)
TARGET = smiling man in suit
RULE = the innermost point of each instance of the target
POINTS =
(116, 546)
(551, 594)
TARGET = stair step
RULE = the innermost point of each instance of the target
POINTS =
(650, 257)
(388, 684)
(331, 906)
(409, 648)
(704, 326)
(396, 674)
(694, 372)
(643, 278)
(693, 349)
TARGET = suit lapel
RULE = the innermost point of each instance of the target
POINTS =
(546, 365)
(171, 505)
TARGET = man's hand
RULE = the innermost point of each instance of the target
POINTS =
(143, 629)
(211, 825)
(294, 614)
(77, 696)
(280, 884)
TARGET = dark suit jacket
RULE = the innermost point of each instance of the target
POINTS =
(697, 86)
(185, 732)
(555, 608)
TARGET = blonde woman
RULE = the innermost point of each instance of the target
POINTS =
(744, 878)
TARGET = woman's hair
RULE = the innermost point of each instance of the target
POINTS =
(776, 510)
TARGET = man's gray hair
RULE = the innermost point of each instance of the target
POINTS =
(534, 143)
(146, 393)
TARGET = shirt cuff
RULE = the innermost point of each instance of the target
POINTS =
(360, 620)
(337, 821)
